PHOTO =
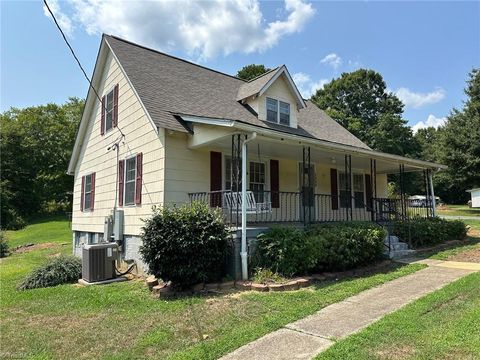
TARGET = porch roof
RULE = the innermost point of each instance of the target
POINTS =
(282, 144)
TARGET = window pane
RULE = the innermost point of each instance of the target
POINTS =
(342, 179)
(272, 110)
(88, 183)
(357, 182)
(130, 192)
(88, 198)
(344, 199)
(359, 202)
(109, 111)
(284, 108)
(284, 119)
(130, 169)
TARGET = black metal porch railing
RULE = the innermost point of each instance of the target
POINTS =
(267, 207)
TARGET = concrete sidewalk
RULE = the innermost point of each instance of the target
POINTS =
(308, 337)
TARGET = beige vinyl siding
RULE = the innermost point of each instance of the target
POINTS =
(140, 136)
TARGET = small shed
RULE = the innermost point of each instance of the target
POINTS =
(475, 193)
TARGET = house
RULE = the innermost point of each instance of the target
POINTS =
(475, 194)
(166, 131)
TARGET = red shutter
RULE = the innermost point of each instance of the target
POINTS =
(121, 174)
(92, 196)
(115, 106)
(368, 192)
(102, 117)
(334, 188)
(82, 193)
(138, 184)
(275, 183)
(215, 178)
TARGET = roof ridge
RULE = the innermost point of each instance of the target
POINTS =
(265, 73)
(173, 57)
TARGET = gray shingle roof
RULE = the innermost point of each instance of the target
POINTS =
(169, 86)
(255, 85)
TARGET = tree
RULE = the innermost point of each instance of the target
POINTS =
(360, 102)
(36, 144)
(459, 146)
(249, 72)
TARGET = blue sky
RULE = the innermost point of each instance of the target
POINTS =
(424, 50)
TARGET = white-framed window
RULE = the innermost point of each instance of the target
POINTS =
(87, 192)
(358, 190)
(130, 180)
(278, 111)
(257, 180)
(109, 111)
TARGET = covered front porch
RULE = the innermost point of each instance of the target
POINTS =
(297, 182)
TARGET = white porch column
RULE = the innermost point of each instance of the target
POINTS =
(432, 194)
(243, 250)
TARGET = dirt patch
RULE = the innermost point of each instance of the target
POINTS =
(472, 255)
(32, 247)
(395, 352)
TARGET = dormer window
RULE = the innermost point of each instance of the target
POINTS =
(278, 112)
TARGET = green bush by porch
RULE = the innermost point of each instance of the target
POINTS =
(430, 231)
(327, 247)
(186, 245)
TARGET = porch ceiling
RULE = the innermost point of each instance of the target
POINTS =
(263, 148)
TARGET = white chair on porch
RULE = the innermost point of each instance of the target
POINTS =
(233, 202)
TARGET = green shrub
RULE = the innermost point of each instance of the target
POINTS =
(11, 220)
(59, 270)
(344, 246)
(286, 250)
(4, 251)
(431, 231)
(185, 245)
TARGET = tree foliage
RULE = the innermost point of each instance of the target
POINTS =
(360, 102)
(458, 146)
(36, 144)
(249, 72)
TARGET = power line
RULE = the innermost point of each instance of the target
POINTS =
(77, 60)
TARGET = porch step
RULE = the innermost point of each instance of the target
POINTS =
(398, 246)
(396, 254)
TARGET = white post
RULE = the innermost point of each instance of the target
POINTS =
(243, 250)
(432, 194)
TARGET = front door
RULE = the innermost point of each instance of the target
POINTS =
(306, 179)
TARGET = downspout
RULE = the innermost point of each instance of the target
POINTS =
(243, 250)
(432, 194)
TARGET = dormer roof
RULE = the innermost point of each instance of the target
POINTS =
(258, 86)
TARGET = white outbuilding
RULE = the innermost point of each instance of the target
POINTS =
(475, 193)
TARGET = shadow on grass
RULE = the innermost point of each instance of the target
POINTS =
(40, 219)
(424, 253)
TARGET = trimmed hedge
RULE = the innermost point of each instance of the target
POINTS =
(59, 270)
(185, 245)
(286, 250)
(328, 247)
(348, 245)
(431, 231)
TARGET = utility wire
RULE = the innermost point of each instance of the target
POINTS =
(77, 60)
(117, 142)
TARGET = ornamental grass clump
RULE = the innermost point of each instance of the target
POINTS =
(60, 270)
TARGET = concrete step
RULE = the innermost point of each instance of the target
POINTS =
(393, 239)
(396, 254)
(398, 246)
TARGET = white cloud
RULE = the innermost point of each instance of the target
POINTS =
(63, 20)
(416, 100)
(432, 121)
(333, 60)
(306, 85)
(203, 29)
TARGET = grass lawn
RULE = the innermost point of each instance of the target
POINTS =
(458, 210)
(441, 325)
(122, 321)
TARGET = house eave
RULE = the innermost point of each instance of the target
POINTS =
(324, 144)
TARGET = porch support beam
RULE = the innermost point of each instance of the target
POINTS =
(243, 251)
(434, 205)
